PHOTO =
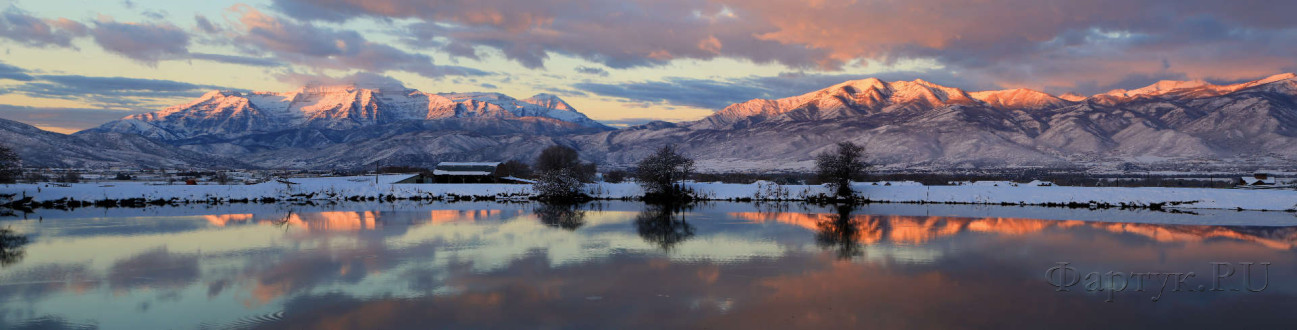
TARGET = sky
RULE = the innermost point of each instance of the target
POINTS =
(71, 65)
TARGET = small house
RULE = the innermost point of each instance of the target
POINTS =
(1258, 179)
(464, 172)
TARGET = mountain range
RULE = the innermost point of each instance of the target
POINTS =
(909, 124)
(902, 124)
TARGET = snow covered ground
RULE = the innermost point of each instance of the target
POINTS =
(339, 188)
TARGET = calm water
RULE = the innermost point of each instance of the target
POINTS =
(628, 265)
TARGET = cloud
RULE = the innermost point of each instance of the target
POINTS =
(111, 92)
(320, 47)
(627, 122)
(25, 29)
(70, 119)
(700, 93)
(13, 73)
(235, 59)
(206, 25)
(1053, 45)
(103, 84)
(592, 71)
(619, 34)
(719, 93)
(144, 42)
(359, 79)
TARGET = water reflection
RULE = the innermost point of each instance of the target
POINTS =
(917, 230)
(664, 225)
(840, 232)
(11, 247)
(568, 216)
(620, 265)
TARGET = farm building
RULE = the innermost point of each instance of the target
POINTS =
(464, 172)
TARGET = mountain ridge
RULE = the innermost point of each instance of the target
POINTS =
(876, 94)
(903, 124)
(231, 114)
(916, 123)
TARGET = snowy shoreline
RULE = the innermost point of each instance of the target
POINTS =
(385, 188)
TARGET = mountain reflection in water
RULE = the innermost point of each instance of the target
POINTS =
(614, 265)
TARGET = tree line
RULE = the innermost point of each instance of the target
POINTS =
(560, 174)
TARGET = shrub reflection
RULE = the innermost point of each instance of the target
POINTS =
(840, 232)
(664, 225)
(567, 216)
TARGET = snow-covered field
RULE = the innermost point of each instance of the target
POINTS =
(340, 188)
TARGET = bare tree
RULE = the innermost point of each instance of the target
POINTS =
(10, 165)
(664, 225)
(515, 168)
(221, 178)
(70, 176)
(559, 185)
(840, 232)
(11, 247)
(615, 176)
(660, 172)
(837, 169)
(561, 174)
(559, 157)
(568, 216)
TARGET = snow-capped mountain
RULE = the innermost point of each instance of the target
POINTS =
(903, 124)
(40, 148)
(228, 114)
(918, 123)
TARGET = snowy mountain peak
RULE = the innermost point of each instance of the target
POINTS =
(322, 89)
(843, 100)
(927, 83)
(220, 93)
(336, 107)
(1274, 78)
(1194, 87)
(1018, 98)
(861, 84)
(863, 97)
(549, 101)
(1168, 85)
(1074, 97)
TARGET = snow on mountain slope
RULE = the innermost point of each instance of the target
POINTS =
(39, 148)
(225, 114)
(903, 124)
(1160, 87)
(1020, 98)
(917, 123)
(844, 100)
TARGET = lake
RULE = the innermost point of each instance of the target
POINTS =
(613, 265)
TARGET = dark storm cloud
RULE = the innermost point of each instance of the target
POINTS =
(1053, 45)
